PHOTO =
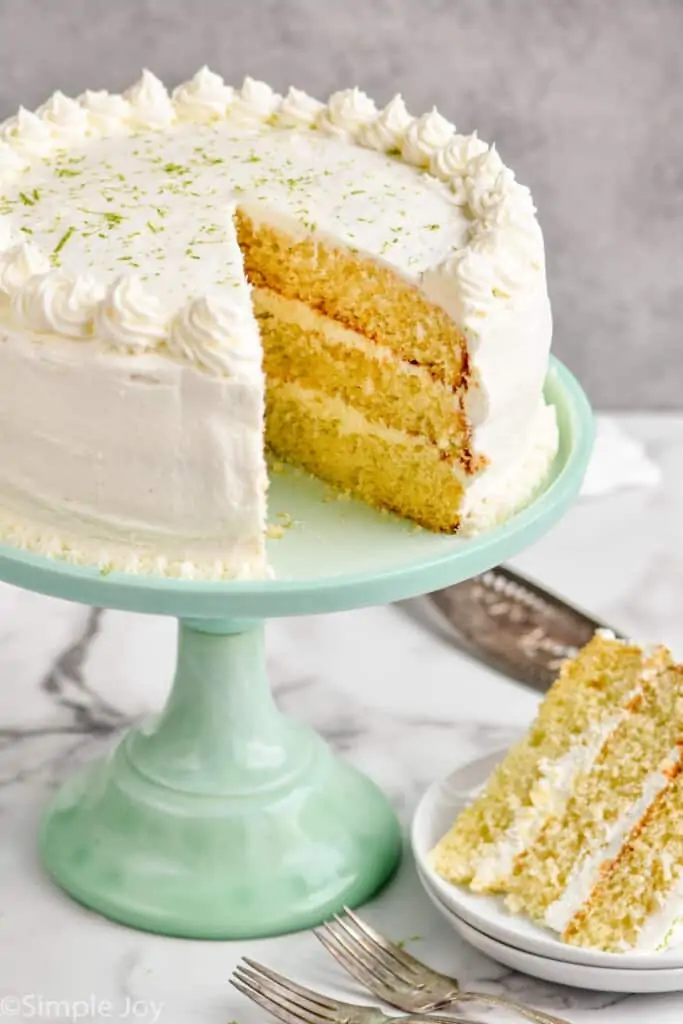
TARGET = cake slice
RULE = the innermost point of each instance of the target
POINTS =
(637, 901)
(581, 826)
(553, 878)
(594, 693)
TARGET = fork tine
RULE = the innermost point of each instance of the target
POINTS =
(358, 969)
(357, 952)
(422, 972)
(390, 947)
(383, 957)
(286, 1016)
(279, 993)
(291, 986)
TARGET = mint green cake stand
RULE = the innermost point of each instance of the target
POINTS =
(222, 818)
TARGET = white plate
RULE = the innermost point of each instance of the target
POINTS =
(601, 979)
(435, 814)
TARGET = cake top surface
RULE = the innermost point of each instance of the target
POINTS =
(116, 211)
(119, 204)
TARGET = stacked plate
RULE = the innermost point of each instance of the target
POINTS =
(484, 923)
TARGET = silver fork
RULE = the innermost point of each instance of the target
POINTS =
(400, 979)
(294, 1004)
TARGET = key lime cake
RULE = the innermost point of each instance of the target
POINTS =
(581, 825)
(189, 278)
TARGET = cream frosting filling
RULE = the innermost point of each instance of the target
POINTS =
(349, 419)
(296, 312)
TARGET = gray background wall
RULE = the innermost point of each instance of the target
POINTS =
(583, 97)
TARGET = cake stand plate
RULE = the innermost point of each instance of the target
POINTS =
(222, 818)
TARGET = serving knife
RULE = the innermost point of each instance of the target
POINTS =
(515, 625)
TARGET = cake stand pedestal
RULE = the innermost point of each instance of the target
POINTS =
(222, 818)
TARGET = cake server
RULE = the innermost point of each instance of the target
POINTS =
(515, 625)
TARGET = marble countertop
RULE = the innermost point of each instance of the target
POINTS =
(384, 686)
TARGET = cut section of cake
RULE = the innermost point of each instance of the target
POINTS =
(186, 278)
(552, 879)
(637, 899)
(592, 695)
(580, 826)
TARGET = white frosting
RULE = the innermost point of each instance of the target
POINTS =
(58, 303)
(11, 162)
(298, 110)
(387, 131)
(548, 797)
(218, 334)
(137, 250)
(586, 873)
(18, 264)
(347, 114)
(67, 119)
(150, 104)
(7, 235)
(425, 137)
(129, 318)
(141, 463)
(108, 113)
(456, 157)
(521, 458)
(254, 103)
(204, 98)
(29, 134)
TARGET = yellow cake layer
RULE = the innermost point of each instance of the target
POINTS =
(590, 687)
(360, 294)
(636, 884)
(301, 344)
(603, 796)
(382, 465)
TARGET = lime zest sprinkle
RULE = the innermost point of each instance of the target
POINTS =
(172, 168)
(26, 200)
(61, 243)
(402, 943)
(111, 218)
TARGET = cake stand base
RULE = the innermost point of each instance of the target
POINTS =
(223, 819)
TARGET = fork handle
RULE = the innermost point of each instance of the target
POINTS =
(535, 1016)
